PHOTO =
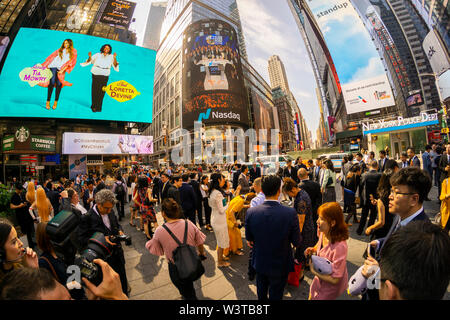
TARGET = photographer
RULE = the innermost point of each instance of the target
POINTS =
(39, 284)
(101, 218)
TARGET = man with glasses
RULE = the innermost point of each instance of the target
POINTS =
(101, 218)
(410, 187)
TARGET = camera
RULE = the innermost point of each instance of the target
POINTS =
(117, 239)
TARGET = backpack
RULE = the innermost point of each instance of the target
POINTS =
(187, 262)
(120, 191)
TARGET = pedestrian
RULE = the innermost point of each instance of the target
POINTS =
(413, 159)
(290, 171)
(352, 184)
(165, 179)
(303, 206)
(414, 263)
(362, 164)
(434, 164)
(120, 190)
(218, 205)
(163, 244)
(243, 180)
(52, 195)
(41, 209)
(13, 255)
(25, 221)
(198, 197)
(317, 170)
(410, 187)
(368, 187)
(234, 232)
(332, 245)
(188, 199)
(329, 182)
(255, 172)
(427, 161)
(134, 209)
(204, 189)
(174, 192)
(437, 174)
(445, 201)
(385, 218)
(313, 190)
(404, 160)
(271, 229)
(144, 203)
(382, 161)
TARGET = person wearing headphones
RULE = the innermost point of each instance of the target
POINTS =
(12, 253)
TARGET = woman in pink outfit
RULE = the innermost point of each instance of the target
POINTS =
(59, 62)
(332, 245)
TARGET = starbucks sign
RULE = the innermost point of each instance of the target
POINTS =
(22, 134)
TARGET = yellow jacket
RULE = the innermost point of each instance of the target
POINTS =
(445, 202)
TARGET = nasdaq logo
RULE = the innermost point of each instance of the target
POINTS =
(204, 115)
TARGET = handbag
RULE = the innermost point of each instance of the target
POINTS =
(301, 221)
(294, 276)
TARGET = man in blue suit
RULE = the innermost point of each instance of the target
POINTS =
(271, 229)
(410, 187)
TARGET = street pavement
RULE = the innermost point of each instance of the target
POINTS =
(149, 279)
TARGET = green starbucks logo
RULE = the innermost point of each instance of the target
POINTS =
(22, 134)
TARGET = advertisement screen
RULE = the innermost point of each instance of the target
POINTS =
(264, 117)
(88, 77)
(414, 100)
(365, 85)
(118, 12)
(213, 83)
(98, 143)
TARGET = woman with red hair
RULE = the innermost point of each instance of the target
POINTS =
(59, 62)
(332, 245)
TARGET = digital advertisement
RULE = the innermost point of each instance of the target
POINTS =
(77, 165)
(74, 76)
(365, 85)
(118, 12)
(264, 115)
(213, 82)
(98, 143)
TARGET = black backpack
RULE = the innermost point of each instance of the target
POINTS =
(120, 191)
(185, 257)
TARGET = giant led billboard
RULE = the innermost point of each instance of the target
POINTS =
(103, 143)
(365, 85)
(55, 74)
(213, 82)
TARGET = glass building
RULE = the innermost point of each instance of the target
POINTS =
(168, 87)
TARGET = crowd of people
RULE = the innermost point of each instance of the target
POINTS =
(290, 218)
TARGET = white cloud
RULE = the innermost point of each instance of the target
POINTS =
(373, 69)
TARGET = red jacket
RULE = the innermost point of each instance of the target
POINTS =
(69, 65)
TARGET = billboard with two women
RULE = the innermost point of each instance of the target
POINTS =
(55, 74)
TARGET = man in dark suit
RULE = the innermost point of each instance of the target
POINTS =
(299, 164)
(270, 230)
(413, 159)
(316, 170)
(89, 195)
(382, 161)
(174, 192)
(410, 187)
(404, 160)
(188, 198)
(165, 185)
(198, 195)
(53, 196)
(236, 175)
(368, 186)
(362, 164)
(290, 171)
(313, 190)
(255, 172)
(101, 218)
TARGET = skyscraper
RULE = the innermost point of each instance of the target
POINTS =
(200, 62)
(277, 74)
(154, 25)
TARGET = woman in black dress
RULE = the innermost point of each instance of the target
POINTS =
(302, 204)
(384, 221)
(352, 184)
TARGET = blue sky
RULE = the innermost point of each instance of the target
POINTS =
(269, 28)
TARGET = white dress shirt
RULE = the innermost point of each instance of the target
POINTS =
(58, 62)
(101, 64)
(104, 217)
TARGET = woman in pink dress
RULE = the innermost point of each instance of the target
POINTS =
(332, 245)
(59, 62)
